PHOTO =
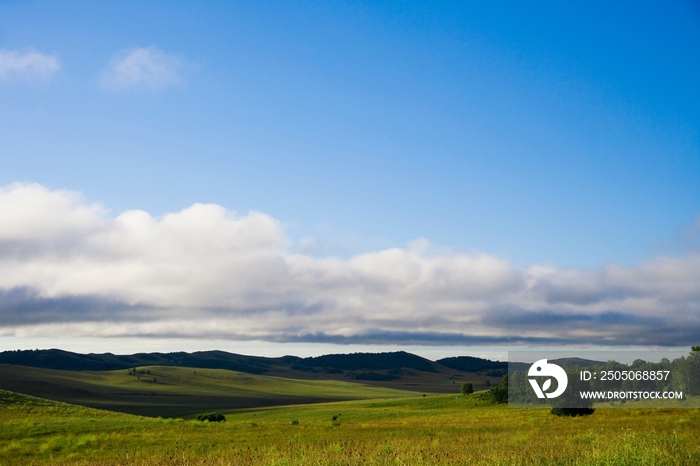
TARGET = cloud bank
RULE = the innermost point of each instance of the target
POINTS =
(68, 268)
(27, 65)
(141, 69)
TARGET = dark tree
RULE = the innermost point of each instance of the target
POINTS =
(572, 412)
(499, 393)
(467, 389)
(211, 417)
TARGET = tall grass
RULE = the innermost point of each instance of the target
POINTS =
(419, 431)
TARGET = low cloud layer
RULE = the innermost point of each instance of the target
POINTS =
(141, 69)
(16, 65)
(66, 267)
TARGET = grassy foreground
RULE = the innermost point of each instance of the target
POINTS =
(431, 430)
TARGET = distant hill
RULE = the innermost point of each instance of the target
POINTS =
(524, 367)
(472, 364)
(370, 361)
(66, 360)
(180, 391)
(577, 362)
(399, 370)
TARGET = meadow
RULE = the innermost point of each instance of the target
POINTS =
(441, 429)
(179, 391)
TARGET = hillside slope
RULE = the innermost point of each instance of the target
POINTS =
(399, 370)
(180, 392)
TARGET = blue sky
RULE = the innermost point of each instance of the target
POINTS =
(557, 135)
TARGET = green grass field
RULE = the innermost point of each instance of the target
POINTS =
(421, 430)
(180, 391)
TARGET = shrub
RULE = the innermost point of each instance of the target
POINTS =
(211, 417)
(467, 389)
(295, 422)
(499, 394)
(572, 412)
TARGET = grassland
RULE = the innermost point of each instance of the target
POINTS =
(421, 430)
(178, 391)
(398, 370)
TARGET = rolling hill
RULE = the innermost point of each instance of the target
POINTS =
(169, 391)
(398, 370)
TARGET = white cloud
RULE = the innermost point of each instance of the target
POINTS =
(206, 271)
(33, 213)
(141, 69)
(27, 65)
